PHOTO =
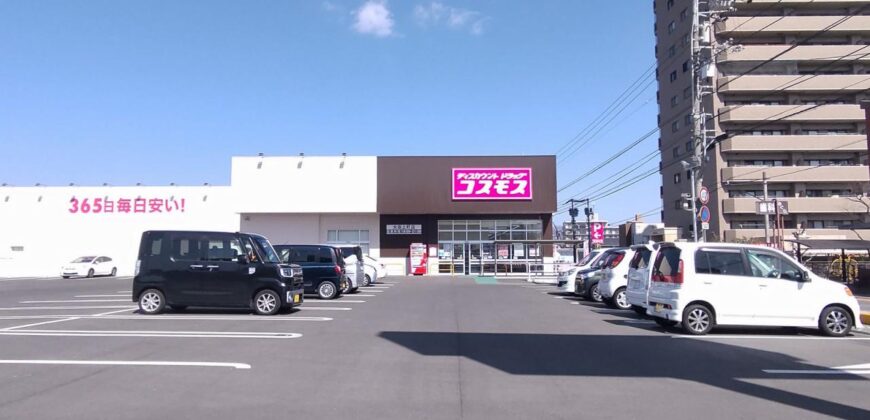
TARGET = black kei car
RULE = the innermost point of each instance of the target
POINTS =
(323, 268)
(177, 269)
(586, 282)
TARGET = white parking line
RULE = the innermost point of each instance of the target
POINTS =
(111, 312)
(364, 295)
(768, 337)
(368, 290)
(49, 308)
(172, 317)
(315, 308)
(75, 301)
(376, 287)
(102, 296)
(124, 363)
(152, 334)
(39, 323)
(308, 302)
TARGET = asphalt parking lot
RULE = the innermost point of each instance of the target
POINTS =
(436, 348)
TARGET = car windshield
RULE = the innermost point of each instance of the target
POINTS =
(599, 263)
(269, 254)
(83, 259)
(587, 258)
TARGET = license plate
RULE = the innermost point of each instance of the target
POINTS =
(295, 298)
(659, 307)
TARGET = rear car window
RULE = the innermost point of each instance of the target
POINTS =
(667, 262)
(324, 255)
(640, 259)
(720, 261)
(616, 259)
(186, 247)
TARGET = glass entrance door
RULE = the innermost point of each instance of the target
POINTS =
(481, 258)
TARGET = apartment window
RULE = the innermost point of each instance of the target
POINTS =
(672, 27)
(677, 178)
(687, 92)
(684, 14)
(672, 51)
(767, 133)
(676, 151)
(826, 224)
(747, 224)
(685, 66)
(829, 162)
(673, 75)
(688, 120)
(757, 193)
(350, 236)
(829, 193)
(687, 39)
(757, 162)
(689, 174)
(690, 146)
(674, 101)
(675, 126)
(670, 4)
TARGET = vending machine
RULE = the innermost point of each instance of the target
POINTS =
(419, 259)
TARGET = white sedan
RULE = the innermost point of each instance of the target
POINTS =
(89, 266)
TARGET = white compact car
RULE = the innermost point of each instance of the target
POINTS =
(614, 280)
(565, 279)
(89, 267)
(703, 285)
(637, 291)
(374, 270)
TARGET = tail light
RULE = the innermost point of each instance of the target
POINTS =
(138, 265)
(678, 278)
(338, 270)
(616, 260)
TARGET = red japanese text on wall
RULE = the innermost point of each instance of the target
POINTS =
(140, 205)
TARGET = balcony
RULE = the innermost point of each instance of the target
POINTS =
(791, 113)
(765, 25)
(789, 143)
(808, 174)
(844, 83)
(802, 4)
(829, 205)
(818, 53)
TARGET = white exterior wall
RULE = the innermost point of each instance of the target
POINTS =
(314, 184)
(311, 228)
(39, 220)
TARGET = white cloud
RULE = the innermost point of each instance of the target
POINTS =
(436, 13)
(373, 18)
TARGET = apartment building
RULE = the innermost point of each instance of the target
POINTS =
(781, 83)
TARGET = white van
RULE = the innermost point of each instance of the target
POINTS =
(614, 280)
(637, 291)
(702, 285)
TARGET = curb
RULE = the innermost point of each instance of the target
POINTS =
(865, 318)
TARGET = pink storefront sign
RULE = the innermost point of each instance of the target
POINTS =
(492, 183)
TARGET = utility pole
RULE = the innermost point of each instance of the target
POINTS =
(588, 211)
(865, 105)
(573, 212)
(766, 207)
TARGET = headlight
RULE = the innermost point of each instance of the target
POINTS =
(286, 272)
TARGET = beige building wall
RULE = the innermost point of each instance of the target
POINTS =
(794, 118)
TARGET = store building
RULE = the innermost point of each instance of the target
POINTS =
(475, 215)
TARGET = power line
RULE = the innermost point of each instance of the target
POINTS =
(610, 159)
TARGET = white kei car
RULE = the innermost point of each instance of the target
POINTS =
(374, 270)
(614, 280)
(565, 279)
(703, 285)
(637, 291)
(89, 266)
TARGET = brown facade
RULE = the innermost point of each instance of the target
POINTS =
(423, 185)
(418, 191)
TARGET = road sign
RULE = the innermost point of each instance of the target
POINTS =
(704, 195)
(598, 233)
(705, 226)
(704, 214)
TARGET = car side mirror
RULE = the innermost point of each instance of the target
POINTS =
(243, 259)
(805, 277)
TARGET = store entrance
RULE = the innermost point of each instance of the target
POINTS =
(466, 258)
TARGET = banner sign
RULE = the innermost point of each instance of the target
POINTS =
(100, 205)
(404, 229)
(492, 183)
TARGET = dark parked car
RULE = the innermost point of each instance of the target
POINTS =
(322, 268)
(215, 269)
(586, 283)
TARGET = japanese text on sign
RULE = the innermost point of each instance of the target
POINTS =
(100, 205)
(492, 183)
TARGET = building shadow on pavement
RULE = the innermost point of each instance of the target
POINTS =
(712, 363)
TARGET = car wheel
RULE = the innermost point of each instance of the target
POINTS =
(354, 289)
(327, 290)
(346, 289)
(114, 272)
(267, 302)
(665, 323)
(835, 321)
(178, 308)
(620, 300)
(595, 294)
(640, 310)
(697, 320)
(367, 281)
(90, 273)
(152, 302)
(66, 277)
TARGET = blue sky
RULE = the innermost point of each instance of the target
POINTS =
(167, 91)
